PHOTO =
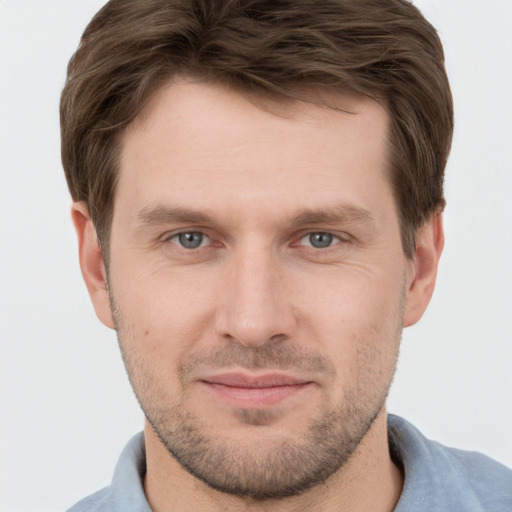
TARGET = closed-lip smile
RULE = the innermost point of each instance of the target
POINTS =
(255, 391)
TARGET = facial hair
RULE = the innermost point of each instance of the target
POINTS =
(280, 469)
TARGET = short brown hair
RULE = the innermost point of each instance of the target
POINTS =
(382, 48)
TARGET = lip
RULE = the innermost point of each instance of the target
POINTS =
(252, 391)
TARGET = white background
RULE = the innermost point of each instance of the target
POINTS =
(65, 404)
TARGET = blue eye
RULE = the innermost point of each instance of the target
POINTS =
(320, 240)
(191, 240)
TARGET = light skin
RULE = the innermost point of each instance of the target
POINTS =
(259, 287)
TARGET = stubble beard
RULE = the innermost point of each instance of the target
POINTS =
(282, 468)
(276, 471)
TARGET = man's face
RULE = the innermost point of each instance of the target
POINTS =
(258, 282)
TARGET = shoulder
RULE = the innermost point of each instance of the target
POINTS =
(442, 478)
(126, 492)
(96, 502)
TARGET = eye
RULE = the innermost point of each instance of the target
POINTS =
(190, 239)
(320, 240)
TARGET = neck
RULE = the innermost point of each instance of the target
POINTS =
(368, 482)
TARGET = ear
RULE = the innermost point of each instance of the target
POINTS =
(91, 262)
(422, 274)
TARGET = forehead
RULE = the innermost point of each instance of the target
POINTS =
(237, 148)
(187, 103)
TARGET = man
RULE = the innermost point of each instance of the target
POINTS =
(258, 200)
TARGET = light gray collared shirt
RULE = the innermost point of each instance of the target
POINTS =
(437, 479)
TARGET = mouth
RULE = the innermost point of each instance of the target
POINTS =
(257, 392)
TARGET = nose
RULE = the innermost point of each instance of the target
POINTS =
(255, 307)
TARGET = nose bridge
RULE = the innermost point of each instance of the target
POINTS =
(255, 309)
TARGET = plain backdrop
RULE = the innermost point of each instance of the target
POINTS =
(66, 406)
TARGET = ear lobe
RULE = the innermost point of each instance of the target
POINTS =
(422, 277)
(91, 263)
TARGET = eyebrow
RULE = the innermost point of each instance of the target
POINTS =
(341, 214)
(164, 215)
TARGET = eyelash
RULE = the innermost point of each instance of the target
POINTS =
(170, 238)
(343, 239)
(332, 236)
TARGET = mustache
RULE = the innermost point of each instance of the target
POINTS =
(269, 357)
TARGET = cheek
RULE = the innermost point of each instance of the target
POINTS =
(167, 299)
(356, 319)
(160, 320)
